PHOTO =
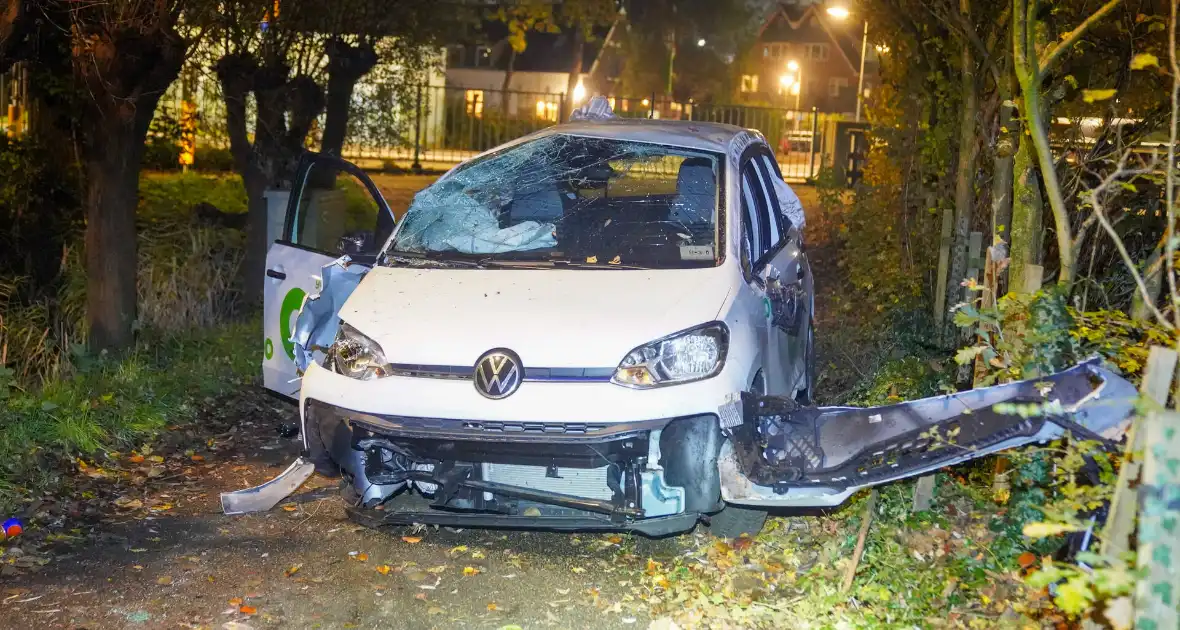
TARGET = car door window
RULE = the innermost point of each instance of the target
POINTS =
(765, 231)
(336, 212)
(773, 178)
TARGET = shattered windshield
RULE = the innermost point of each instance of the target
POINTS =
(578, 200)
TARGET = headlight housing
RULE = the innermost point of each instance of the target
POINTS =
(691, 355)
(357, 356)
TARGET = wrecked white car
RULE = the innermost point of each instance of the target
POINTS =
(607, 325)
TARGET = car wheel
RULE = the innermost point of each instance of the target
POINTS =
(806, 395)
(733, 521)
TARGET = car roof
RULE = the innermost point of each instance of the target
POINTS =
(707, 136)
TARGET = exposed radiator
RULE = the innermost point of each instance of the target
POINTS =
(580, 482)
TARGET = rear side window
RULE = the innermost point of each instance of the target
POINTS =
(770, 170)
(762, 226)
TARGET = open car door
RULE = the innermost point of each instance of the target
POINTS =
(334, 210)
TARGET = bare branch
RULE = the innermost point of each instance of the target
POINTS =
(1053, 56)
(1170, 176)
(1095, 195)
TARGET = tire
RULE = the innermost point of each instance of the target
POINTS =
(733, 521)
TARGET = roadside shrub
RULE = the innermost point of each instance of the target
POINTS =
(186, 278)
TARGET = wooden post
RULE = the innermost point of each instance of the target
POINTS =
(1157, 379)
(1158, 554)
(1034, 276)
(944, 258)
(924, 493)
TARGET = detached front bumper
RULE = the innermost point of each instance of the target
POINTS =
(781, 455)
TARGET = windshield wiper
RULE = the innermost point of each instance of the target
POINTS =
(415, 259)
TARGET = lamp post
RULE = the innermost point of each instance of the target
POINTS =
(794, 66)
(841, 13)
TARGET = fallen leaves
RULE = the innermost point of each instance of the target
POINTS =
(384, 569)
(359, 556)
(413, 540)
(471, 571)
(247, 609)
(127, 503)
(292, 570)
(164, 580)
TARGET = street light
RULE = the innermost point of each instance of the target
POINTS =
(841, 13)
(793, 81)
(701, 42)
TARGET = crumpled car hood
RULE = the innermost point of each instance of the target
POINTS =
(549, 317)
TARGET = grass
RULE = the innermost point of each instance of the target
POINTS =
(57, 402)
(115, 404)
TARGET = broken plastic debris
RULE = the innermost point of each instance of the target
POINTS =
(266, 496)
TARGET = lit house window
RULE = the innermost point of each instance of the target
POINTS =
(474, 100)
(546, 110)
(749, 83)
(816, 52)
(836, 84)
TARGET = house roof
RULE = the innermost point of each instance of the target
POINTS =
(793, 22)
(544, 52)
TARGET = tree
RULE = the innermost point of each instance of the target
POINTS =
(1032, 69)
(521, 18)
(123, 54)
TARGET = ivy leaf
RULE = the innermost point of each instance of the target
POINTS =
(1093, 96)
(1044, 530)
(1074, 596)
(967, 355)
(1144, 60)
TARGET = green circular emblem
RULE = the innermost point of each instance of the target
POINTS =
(269, 349)
(291, 305)
(766, 303)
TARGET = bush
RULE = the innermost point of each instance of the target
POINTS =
(187, 274)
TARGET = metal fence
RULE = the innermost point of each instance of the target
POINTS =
(446, 125)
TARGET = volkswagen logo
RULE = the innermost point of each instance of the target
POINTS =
(498, 374)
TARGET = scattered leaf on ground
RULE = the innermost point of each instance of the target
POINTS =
(292, 570)
(412, 539)
(384, 569)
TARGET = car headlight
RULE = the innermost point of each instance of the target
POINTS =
(357, 356)
(691, 355)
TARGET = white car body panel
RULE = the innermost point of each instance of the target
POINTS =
(549, 317)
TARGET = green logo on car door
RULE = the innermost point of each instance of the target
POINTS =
(291, 305)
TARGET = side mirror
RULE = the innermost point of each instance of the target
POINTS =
(357, 243)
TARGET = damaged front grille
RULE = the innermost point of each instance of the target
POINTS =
(534, 428)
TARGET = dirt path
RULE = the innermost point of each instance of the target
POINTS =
(190, 566)
(142, 544)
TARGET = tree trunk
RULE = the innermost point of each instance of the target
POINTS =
(575, 75)
(504, 96)
(1027, 209)
(1039, 134)
(346, 65)
(1153, 279)
(237, 75)
(123, 94)
(112, 191)
(1005, 151)
(964, 182)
